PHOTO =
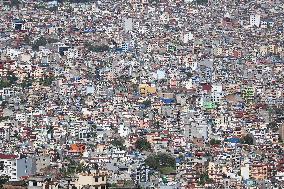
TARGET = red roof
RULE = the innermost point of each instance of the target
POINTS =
(206, 87)
(8, 156)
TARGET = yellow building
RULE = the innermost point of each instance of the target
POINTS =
(95, 180)
(272, 49)
(146, 89)
(217, 51)
(263, 50)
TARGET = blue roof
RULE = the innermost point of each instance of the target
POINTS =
(178, 160)
(234, 140)
(188, 155)
(168, 100)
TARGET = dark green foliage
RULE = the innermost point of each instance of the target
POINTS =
(27, 40)
(4, 118)
(52, 40)
(248, 139)
(76, 1)
(72, 168)
(10, 80)
(118, 142)
(47, 81)
(27, 83)
(52, 9)
(201, 2)
(215, 142)
(204, 178)
(147, 103)
(3, 179)
(189, 75)
(163, 162)
(96, 48)
(39, 42)
(273, 126)
(13, 3)
(142, 145)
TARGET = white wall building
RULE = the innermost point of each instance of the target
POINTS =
(254, 20)
(16, 167)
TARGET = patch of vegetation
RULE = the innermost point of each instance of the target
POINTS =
(215, 142)
(248, 139)
(39, 42)
(3, 180)
(10, 80)
(96, 48)
(118, 142)
(273, 126)
(142, 145)
(47, 81)
(147, 103)
(27, 82)
(72, 168)
(162, 162)
(204, 179)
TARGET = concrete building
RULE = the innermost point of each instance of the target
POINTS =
(16, 167)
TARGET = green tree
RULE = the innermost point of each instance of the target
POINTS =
(204, 178)
(118, 142)
(3, 180)
(10, 80)
(47, 81)
(27, 83)
(96, 48)
(273, 126)
(214, 142)
(142, 145)
(39, 42)
(248, 139)
(162, 162)
(147, 103)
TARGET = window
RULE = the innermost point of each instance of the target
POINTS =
(96, 179)
(103, 178)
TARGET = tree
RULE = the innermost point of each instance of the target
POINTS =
(27, 83)
(214, 142)
(273, 126)
(47, 81)
(142, 145)
(162, 162)
(118, 142)
(39, 42)
(201, 2)
(3, 180)
(248, 139)
(96, 48)
(204, 178)
(147, 103)
(10, 80)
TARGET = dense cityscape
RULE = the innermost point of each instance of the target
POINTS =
(154, 94)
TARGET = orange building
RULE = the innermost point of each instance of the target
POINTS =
(77, 148)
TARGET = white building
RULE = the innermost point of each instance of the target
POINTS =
(128, 26)
(16, 167)
(217, 93)
(254, 20)
(187, 37)
(123, 131)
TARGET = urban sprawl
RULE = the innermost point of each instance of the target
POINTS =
(155, 94)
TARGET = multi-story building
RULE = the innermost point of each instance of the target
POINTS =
(95, 180)
(16, 167)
